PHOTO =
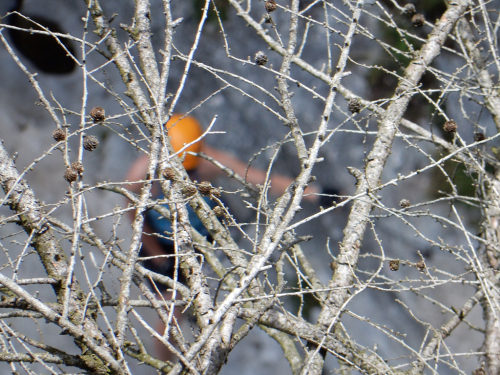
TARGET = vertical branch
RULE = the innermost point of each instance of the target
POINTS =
(375, 163)
(134, 90)
(23, 202)
(491, 224)
(135, 246)
(283, 84)
(313, 363)
(490, 90)
(166, 55)
(142, 35)
(490, 262)
(194, 47)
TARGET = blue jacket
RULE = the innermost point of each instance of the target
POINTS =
(160, 224)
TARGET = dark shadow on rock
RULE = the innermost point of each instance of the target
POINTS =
(43, 51)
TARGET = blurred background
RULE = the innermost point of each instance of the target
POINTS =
(252, 132)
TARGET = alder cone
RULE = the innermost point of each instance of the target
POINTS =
(270, 6)
(205, 188)
(97, 114)
(404, 203)
(90, 142)
(168, 173)
(450, 126)
(409, 9)
(478, 137)
(394, 265)
(260, 58)
(59, 135)
(70, 175)
(354, 105)
(418, 20)
(189, 190)
(77, 167)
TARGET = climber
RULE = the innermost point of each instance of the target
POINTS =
(184, 130)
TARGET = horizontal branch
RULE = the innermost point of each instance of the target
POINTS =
(68, 360)
(297, 327)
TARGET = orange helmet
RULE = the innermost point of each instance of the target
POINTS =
(183, 132)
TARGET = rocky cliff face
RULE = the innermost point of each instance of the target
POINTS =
(26, 128)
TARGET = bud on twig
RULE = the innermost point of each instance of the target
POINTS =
(215, 192)
(218, 211)
(420, 265)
